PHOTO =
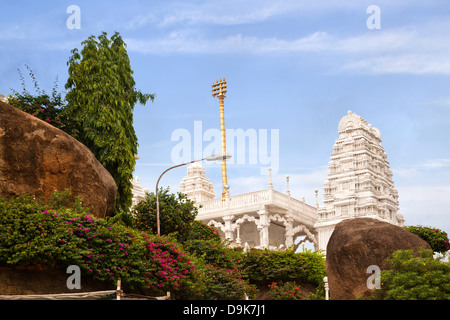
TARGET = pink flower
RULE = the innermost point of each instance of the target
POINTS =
(48, 120)
(46, 212)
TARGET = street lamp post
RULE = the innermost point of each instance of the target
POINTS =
(221, 156)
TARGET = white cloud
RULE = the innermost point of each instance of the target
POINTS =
(398, 64)
(191, 42)
(425, 205)
(239, 12)
(421, 168)
(232, 12)
(424, 194)
(418, 49)
(437, 163)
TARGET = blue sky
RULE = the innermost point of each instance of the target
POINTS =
(294, 67)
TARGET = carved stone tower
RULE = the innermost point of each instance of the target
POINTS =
(359, 181)
(196, 185)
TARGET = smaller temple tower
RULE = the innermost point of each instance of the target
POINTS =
(138, 191)
(196, 185)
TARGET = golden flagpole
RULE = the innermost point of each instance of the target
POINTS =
(219, 90)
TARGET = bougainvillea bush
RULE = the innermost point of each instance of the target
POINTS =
(30, 232)
(436, 238)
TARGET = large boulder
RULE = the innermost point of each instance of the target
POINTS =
(37, 158)
(357, 244)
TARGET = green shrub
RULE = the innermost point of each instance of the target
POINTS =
(224, 284)
(213, 252)
(217, 264)
(415, 276)
(264, 267)
(437, 239)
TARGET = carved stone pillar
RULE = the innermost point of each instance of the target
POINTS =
(238, 234)
(263, 226)
(228, 229)
(289, 233)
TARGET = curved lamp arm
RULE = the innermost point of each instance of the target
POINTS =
(220, 156)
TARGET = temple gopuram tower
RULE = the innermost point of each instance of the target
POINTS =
(196, 185)
(359, 182)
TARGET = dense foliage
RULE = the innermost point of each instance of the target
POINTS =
(415, 276)
(31, 231)
(436, 238)
(224, 284)
(101, 98)
(60, 232)
(267, 266)
(177, 214)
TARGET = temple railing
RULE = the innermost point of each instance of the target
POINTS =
(263, 197)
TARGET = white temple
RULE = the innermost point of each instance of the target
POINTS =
(138, 191)
(359, 184)
(265, 218)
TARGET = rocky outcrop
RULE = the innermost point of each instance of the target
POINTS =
(357, 244)
(37, 158)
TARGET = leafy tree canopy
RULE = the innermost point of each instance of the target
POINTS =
(415, 276)
(101, 100)
(177, 214)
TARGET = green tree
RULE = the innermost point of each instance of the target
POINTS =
(101, 100)
(176, 213)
